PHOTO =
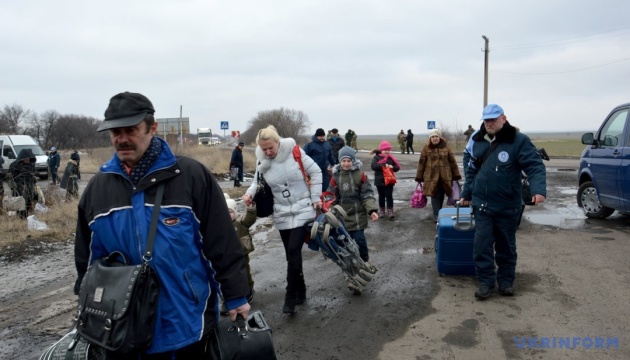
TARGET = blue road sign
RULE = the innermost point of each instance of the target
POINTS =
(430, 125)
(225, 125)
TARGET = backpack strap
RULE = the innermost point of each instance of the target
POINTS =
(297, 156)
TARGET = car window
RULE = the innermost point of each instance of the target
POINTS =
(612, 132)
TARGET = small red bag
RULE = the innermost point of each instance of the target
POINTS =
(388, 175)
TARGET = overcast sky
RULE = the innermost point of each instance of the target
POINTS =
(370, 65)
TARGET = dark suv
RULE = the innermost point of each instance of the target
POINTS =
(604, 176)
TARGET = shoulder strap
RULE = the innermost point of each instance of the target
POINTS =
(297, 156)
(488, 152)
(154, 219)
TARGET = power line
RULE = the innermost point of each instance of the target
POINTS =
(564, 71)
(570, 40)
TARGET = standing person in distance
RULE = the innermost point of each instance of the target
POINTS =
(336, 143)
(237, 162)
(410, 142)
(383, 157)
(196, 252)
(23, 172)
(493, 185)
(402, 141)
(77, 158)
(294, 203)
(54, 160)
(437, 168)
(469, 132)
(321, 152)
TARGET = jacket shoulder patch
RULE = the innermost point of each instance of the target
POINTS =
(171, 221)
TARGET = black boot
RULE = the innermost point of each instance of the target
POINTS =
(300, 297)
(289, 303)
(237, 183)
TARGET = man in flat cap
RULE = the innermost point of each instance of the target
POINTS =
(196, 251)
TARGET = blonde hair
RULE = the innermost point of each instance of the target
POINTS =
(268, 133)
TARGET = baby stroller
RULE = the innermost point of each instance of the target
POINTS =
(329, 233)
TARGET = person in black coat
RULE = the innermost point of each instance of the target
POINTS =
(75, 156)
(410, 142)
(70, 180)
(237, 162)
(23, 172)
(336, 143)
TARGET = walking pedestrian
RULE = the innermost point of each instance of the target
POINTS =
(321, 152)
(383, 157)
(410, 142)
(237, 162)
(336, 143)
(437, 168)
(295, 203)
(498, 155)
(196, 254)
(54, 160)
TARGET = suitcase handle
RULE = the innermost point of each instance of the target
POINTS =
(461, 225)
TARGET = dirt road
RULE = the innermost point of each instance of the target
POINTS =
(572, 284)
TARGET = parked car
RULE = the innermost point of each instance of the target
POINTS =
(604, 175)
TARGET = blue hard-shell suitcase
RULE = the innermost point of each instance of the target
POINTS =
(454, 241)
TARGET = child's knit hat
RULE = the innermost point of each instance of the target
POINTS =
(346, 152)
(231, 204)
(385, 145)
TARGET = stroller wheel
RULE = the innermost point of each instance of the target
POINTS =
(365, 275)
(360, 280)
(341, 211)
(314, 230)
(356, 290)
(326, 233)
(332, 219)
(370, 268)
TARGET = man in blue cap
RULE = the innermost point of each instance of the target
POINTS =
(54, 160)
(498, 154)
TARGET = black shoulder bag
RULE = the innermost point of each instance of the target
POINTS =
(117, 301)
(263, 198)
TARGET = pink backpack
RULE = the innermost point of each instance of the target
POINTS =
(418, 200)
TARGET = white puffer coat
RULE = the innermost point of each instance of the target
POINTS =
(293, 203)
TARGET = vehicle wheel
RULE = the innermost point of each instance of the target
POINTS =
(326, 233)
(589, 202)
(332, 220)
(314, 230)
(341, 211)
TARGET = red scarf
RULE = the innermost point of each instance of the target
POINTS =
(383, 161)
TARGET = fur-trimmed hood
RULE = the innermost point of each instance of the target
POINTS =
(507, 134)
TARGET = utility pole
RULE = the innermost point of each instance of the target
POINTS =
(181, 130)
(485, 72)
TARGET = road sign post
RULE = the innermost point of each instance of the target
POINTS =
(225, 125)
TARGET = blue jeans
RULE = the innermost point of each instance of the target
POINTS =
(495, 241)
(359, 238)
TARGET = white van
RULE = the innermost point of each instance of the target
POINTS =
(11, 146)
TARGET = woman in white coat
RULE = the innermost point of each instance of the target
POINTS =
(294, 205)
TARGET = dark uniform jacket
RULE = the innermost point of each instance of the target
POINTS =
(496, 184)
